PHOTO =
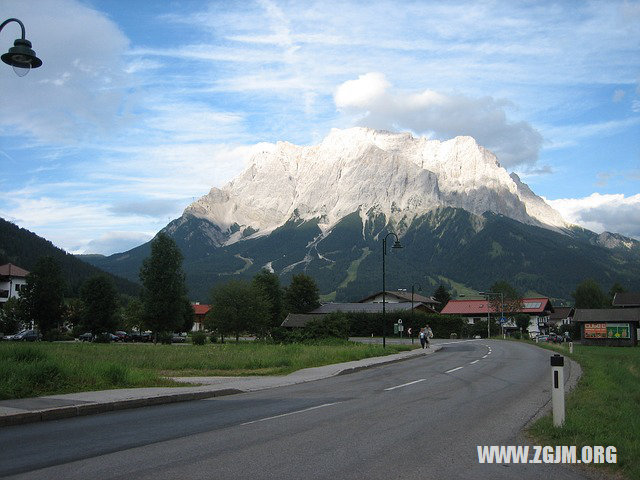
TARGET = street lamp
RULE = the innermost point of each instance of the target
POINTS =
(396, 244)
(487, 295)
(21, 57)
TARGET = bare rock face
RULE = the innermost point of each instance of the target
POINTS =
(363, 170)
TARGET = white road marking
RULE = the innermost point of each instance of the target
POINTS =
(404, 384)
(475, 361)
(291, 413)
(453, 369)
(486, 356)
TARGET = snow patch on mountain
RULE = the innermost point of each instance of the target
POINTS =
(364, 170)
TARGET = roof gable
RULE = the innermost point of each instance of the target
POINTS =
(11, 270)
(482, 307)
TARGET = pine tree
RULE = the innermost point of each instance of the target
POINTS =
(100, 304)
(302, 295)
(269, 284)
(164, 290)
(443, 296)
(43, 296)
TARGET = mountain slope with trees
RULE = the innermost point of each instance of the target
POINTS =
(24, 248)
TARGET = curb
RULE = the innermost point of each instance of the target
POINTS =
(58, 413)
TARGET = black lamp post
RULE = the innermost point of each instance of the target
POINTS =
(396, 244)
(21, 57)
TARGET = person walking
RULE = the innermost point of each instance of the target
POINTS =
(423, 338)
(428, 334)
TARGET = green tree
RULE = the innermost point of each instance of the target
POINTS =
(237, 306)
(269, 284)
(100, 305)
(163, 287)
(510, 303)
(11, 316)
(188, 315)
(43, 296)
(132, 315)
(443, 296)
(302, 295)
(522, 321)
(615, 288)
(589, 295)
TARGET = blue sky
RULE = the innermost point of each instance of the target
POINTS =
(141, 107)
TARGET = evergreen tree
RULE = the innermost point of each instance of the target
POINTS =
(269, 284)
(589, 295)
(132, 315)
(615, 288)
(510, 303)
(237, 306)
(163, 287)
(302, 295)
(43, 296)
(11, 316)
(100, 305)
(443, 296)
(188, 315)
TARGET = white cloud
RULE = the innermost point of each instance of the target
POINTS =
(81, 87)
(614, 213)
(442, 115)
(618, 95)
(116, 241)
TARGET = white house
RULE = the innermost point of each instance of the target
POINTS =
(12, 280)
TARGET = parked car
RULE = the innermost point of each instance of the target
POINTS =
(25, 336)
(140, 336)
(122, 336)
(178, 338)
(86, 337)
(542, 338)
(554, 338)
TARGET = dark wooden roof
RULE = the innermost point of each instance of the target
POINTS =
(10, 270)
(370, 307)
(607, 315)
(626, 299)
(560, 313)
(402, 296)
(298, 320)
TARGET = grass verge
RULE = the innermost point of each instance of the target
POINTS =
(30, 370)
(604, 407)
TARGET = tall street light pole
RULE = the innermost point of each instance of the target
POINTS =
(21, 57)
(396, 244)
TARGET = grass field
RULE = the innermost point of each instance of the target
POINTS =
(604, 409)
(30, 370)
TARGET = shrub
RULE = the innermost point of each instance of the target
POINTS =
(199, 338)
(165, 338)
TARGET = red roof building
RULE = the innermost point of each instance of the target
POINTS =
(200, 311)
(12, 280)
(539, 309)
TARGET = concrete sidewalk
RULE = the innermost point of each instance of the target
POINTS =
(53, 407)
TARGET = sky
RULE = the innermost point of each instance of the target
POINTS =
(142, 107)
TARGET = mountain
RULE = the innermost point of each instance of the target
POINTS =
(323, 209)
(23, 248)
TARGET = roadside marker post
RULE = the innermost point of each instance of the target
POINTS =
(570, 347)
(557, 389)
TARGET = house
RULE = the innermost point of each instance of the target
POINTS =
(539, 310)
(200, 314)
(401, 296)
(12, 280)
(296, 320)
(626, 300)
(611, 327)
(561, 316)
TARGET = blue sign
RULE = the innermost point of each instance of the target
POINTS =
(503, 321)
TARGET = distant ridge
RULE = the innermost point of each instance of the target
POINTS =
(23, 248)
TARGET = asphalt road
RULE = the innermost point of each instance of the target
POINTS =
(418, 419)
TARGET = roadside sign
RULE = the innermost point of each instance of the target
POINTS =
(409, 331)
(399, 321)
(401, 328)
(503, 320)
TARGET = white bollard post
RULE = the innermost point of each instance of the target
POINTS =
(570, 347)
(557, 389)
